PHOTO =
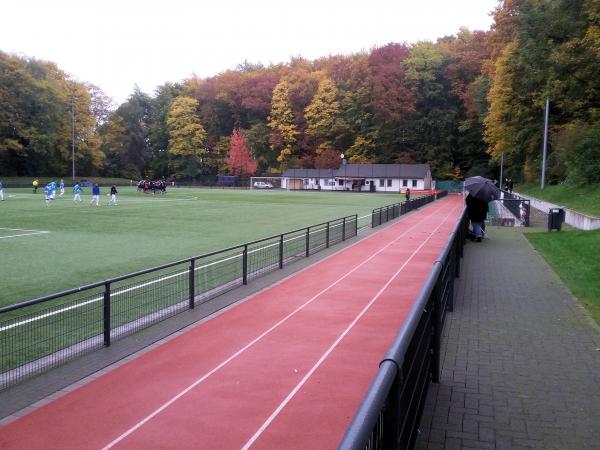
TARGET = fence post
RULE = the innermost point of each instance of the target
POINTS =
(355, 224)
(307, 242)
(245, 265)
(192, 282)
(373, 219)
(437, 324)
(392, 417)
(344, 230)
(106, 315)
(281, 251)
(327, 236)
(457, 244)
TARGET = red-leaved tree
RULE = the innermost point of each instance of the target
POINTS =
(240, 161)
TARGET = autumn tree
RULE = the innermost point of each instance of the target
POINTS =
(187, 138)
(38, 101)
(281, 122)
(322, 114)
(240, 161)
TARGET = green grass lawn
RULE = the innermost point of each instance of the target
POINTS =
(84, 244)
(575, 257)
(585, 200)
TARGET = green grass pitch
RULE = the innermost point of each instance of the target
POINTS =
(48, 249)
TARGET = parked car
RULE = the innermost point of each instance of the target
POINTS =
(262, 185)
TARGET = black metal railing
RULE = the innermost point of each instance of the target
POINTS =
(47, 331)
(384, 214)
(518, 206)
(390, 413)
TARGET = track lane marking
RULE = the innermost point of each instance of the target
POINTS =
(257, 339)
(303, 381)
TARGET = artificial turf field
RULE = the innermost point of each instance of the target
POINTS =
(81, 244)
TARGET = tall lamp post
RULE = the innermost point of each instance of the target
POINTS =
(344, 164)
(73, 129)
(545, 144)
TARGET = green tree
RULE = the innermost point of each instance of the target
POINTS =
(257, 139)
(158, 130)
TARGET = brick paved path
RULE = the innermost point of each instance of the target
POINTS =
(521, 368)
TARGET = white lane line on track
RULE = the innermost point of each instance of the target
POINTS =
(294, 391)
(251, 343)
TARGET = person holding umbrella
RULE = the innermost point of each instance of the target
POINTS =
(481, 192)
(477, 213)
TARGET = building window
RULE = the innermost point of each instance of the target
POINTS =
(367, 182)
(340, 182)
(381, 182)
(317, 181)
(389, 183)
(414, 183)
(405, 183)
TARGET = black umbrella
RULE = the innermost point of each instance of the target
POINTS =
(482, 188)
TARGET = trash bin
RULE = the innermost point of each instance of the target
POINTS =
(556, 217)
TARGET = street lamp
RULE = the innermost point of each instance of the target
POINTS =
(73, 127)
(344, 179)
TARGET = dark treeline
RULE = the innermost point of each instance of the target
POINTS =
(457, 104)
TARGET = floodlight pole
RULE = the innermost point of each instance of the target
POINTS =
(501, 170)
(73, 131)
(545, 148)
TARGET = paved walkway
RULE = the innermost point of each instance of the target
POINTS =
(521, 363)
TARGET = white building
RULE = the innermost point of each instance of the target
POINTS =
(361, 177)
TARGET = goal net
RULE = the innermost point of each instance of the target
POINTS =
(265, 182)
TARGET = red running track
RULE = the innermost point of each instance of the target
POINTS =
(285, 369)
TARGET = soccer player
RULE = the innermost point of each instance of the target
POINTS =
(48, 194)
(53, 189)
(1, 191)
(62, 188)
(95, 195)
(77, 192)
(113, 195)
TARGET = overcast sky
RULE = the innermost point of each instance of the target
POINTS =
(116, 44)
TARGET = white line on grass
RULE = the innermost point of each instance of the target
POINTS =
(149, 283)
(25, 234)
(21, 229)
(250, 344)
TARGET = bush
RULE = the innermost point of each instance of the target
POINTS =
(583, 164)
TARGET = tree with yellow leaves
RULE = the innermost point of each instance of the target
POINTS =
(187, 138)
(281, 122)
(322, 113)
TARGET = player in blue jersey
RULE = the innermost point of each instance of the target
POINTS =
(1, 191)
(61, 186)
(95, 195)
(77, 193)
(53, 189)
(48, 194)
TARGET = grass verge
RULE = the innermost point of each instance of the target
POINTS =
(575, 258)
(583, 199)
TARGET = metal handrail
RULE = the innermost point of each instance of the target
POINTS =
(381, 402)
